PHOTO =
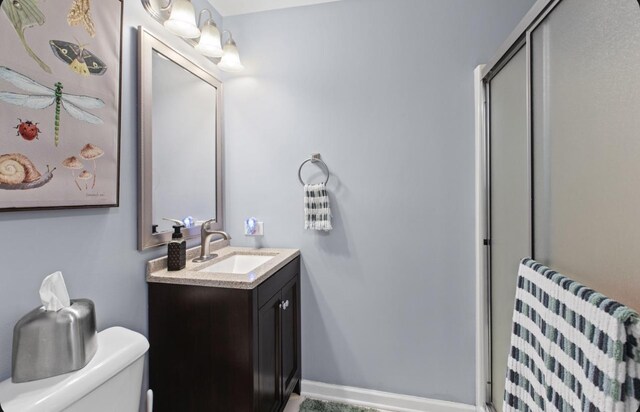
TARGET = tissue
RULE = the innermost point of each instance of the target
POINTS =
(53, 293)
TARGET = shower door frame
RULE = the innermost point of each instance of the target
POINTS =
(519, 38)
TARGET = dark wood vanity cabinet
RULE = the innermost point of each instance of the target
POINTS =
(223, 349)
(278, 349)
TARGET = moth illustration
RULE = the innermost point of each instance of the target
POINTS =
(80, 13)
(79, 59)
(41, 97)
(24, 14)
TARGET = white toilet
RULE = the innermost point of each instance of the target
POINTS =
(111, 381)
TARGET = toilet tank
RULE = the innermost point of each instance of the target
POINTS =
(111, 381)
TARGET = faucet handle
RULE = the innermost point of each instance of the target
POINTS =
(206, 223)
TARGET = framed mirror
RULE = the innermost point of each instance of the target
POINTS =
(180, 145)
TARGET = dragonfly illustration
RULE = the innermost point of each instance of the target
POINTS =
(43, 97)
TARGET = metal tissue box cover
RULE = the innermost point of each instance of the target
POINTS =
(47, 344)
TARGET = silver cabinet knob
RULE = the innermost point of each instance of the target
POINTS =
(284, 305)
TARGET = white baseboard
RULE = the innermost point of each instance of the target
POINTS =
(379, 400)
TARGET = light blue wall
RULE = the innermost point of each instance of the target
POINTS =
(94, 248)
(384, 90)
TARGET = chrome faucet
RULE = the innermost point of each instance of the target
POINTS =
(206, 235)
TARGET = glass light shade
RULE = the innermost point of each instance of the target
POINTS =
(182, 21)
(210, 43)
(230, 61)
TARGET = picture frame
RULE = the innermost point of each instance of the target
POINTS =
(60, 103)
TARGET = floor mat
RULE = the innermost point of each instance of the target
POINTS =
(313, 405)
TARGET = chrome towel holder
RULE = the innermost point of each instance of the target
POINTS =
(316, 159)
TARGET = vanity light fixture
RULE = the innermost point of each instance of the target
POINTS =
(182, 20)
(210, 43)
(230, 61)
(179, 17)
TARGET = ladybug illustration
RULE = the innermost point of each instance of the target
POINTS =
(28, 130)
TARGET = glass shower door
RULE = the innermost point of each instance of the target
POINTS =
(510, 206)
(563, 147)
(586, 139)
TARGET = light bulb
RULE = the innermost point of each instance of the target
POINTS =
(210, 44)
(230, 61)
(182, 21)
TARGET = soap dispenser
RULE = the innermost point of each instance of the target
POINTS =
(177, 253)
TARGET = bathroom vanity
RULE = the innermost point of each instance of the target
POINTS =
(224, 341)
(225, 333)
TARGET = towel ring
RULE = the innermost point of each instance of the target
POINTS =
(315, 158)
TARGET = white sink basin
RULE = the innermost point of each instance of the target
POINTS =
(238, 264)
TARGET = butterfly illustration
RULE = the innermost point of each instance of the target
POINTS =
(24, 14)
(80, 60)
(42, 97)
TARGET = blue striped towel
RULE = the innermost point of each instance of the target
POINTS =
(572, 349)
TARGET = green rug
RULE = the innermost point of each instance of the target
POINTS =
(312, 405)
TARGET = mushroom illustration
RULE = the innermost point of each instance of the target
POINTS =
(91, 152)
(74, 164)
(85, 176)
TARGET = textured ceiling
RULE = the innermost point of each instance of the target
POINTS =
(233, 7)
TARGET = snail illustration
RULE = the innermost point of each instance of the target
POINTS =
(17, 172)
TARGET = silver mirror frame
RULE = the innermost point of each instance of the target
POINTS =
(147, 42)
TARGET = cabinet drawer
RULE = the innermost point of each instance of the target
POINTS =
(276, 282)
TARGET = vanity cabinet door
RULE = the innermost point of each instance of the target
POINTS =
(290, 336)
(269, 382)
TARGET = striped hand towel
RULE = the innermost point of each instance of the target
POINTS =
(317, 212)
(572, 349)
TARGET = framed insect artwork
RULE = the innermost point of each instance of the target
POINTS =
(60, 76)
